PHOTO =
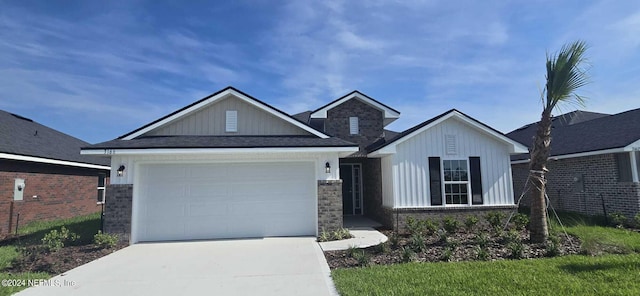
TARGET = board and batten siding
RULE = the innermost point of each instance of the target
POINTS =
(211, 121)
(409, 166)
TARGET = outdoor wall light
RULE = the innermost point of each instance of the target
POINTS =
(327, 168)
(120, 171)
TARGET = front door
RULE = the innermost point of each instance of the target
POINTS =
(351, 175)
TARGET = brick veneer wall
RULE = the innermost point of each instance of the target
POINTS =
(329, 205)
(370, 121)
(117, 211)
(59, 196)
(600, 178)
(398, 217)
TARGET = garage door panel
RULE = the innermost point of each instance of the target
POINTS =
(226, 200)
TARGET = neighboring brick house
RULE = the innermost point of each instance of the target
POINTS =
(230, 166)
(593, 166)
(42, 174)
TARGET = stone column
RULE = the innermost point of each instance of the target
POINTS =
(329, 205)
(117, 210)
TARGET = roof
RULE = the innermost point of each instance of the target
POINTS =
(381, 143)
(389, 113)
(597, 134)
(212, 98)
(177, 142)
(25, 137)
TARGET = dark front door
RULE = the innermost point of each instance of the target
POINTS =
(351, 190)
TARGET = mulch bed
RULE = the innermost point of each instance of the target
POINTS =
(464, 248)
(36, 259)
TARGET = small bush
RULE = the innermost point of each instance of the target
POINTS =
(383, 248)
(494, 219)
(105, 240)
(417, 243)
(511, 237)
(618, 219)
(443, 236)
(450, 224)
(552, 249)
(394, 240)
(408, 255)
(470, 222)
(447, 254)
(482, 253)
(351, 251)
(429, 226)
(341, 233)
(452, 244)
(521, 221)
(56, 240)
(413, 226)
(362, 257)
(324, 236)
(482, 240)
(516, 249)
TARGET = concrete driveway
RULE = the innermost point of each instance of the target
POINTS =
(270, 266)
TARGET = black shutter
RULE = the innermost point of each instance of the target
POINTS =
(435, 181)
(476, 180)
(623, 163)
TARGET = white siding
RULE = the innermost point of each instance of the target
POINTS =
(387, 181)
(410, 165)
(211, 120)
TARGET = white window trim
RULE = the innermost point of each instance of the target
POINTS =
(634, 166)
(231, 121)
(354, 121)
(103, 188)
(444, 183)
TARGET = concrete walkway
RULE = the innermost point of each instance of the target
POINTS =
(270, 266)
(365, 235)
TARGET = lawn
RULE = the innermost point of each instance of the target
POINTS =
(614, 273)
(84, 226)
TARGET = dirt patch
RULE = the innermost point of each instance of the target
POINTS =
(36, 259)
(459, 246)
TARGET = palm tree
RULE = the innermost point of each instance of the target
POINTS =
(564, 76)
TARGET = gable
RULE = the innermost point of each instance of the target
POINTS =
(211, 121)
(389, 114)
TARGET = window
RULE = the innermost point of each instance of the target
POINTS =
(101, 188)
(456, 181)
(231, 125)
(354, 129)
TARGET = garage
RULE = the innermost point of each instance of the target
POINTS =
(187, 201)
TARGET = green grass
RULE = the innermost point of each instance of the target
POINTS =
(32, 233)
(570, 275)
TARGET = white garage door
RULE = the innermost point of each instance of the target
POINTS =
(230, 200)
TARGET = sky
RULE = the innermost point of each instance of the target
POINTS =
(99, 69)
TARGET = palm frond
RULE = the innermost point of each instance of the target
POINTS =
(565, 74)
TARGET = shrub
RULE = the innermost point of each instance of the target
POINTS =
(324, 236)
(516, 249)
(341, 233)
(362, 257)
(394, 240)
(383, 248)
(618, 219)
(408, 255)
(450, 224)
(494, 219)
(429, 226)
(443, 236)
(482, 253)
(417, 244)
(482, 240)
(105, 240)
(56, 240)
(447, 254)
(413, 226)
(351, 251)
(521, 221)
(511, 236)
(470, 222)
(452, 244)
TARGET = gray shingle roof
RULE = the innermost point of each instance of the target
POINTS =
(222, 142)
(23, 136)
(601, 132)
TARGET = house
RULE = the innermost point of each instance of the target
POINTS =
(594, 162)
(43, 176)
(230, 165)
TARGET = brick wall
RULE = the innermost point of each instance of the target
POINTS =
(398, 217)
(581, 184)
(370, 121)
(117, 211)
(329, 205)
(59, 196)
